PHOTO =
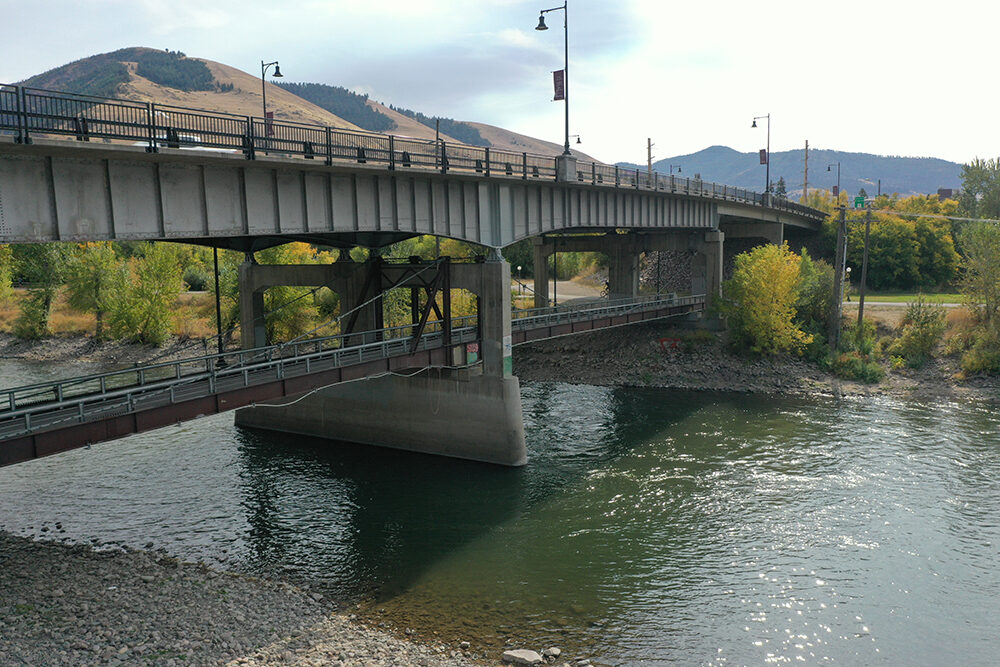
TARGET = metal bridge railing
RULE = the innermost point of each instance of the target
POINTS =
(531, 318)
(27, 112)
(76, 400)
(154, 375)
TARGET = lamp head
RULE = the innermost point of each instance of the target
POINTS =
(578, 140)
(541, 23)
(277, 72)
(754, 124)
(828, 167)
(678, 170)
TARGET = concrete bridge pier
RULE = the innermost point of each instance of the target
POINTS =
(623, 252)
(464, 410)
(706, 265)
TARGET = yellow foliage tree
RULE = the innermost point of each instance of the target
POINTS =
(760, 299)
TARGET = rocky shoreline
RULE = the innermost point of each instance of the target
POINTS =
(66, 604)
(635, 356)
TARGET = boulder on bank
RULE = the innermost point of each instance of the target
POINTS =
(521, 656)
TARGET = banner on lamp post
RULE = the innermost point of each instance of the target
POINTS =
(559, 85)
(763, 156)
(269, 123)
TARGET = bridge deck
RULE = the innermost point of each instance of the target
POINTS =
(79, 168)
(51, 417)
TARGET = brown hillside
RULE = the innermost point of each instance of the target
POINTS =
(244, 99)
(406, 126)
(506, 140)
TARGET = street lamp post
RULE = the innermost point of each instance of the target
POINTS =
(767, 153)
(263, 87)
(829, 168)
(541, 26)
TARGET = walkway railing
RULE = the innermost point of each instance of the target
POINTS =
(48, 405)
(27, 112)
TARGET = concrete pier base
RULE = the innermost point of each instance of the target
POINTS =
(459, 413)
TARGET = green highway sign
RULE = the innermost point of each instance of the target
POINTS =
(859, 202)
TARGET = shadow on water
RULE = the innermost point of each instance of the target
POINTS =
(367, 521)
(424, 539)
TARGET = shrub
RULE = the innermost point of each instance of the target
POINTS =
(922, 327)
(33, 322)
(197, 278)
(760, 299)
(854, 366)
(6, 273)
(146, 289)
(815, 293)
(983, 356)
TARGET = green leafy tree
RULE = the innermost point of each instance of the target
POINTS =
(981, 282)
(760, 300)
(815, 293)
(6, 273)
(41, 265)
(90, 279)
(980, 196)
(143, 295)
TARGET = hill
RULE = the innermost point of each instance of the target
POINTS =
(170, 77)
(904, 175)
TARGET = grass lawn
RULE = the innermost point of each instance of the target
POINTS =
(906, 297)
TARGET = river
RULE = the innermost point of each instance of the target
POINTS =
(650, 526)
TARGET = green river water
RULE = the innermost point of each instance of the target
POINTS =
(649, 527)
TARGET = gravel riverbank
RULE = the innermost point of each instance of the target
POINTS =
(634, 356)
(74, 605)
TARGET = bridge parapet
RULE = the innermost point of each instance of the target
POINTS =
(29, 113)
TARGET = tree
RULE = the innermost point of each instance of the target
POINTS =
(41, 265)
(980, 196)
(815, 293)
(90, 274)
(981, 283)
(781, 190)
(143, 294)
(862, 193)
(6, 273)
(760, 299)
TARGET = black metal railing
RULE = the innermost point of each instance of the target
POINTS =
(27, 112)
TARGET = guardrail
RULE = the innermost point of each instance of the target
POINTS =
(154, 375)
(27, 112)
(47, 405)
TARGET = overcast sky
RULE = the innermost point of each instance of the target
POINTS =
(894, 78)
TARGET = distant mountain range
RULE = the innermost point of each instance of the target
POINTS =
(171, 77)
(903, 175)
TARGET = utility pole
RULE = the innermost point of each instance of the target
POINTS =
(833, 329)
(805, 174)
(864, 270)
(649, 156)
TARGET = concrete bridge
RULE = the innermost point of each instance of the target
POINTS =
(78, 168)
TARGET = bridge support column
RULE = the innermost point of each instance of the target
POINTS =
(542, 252)
(706, 268)
(467, 412)
(253, 332)
(623, 269)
